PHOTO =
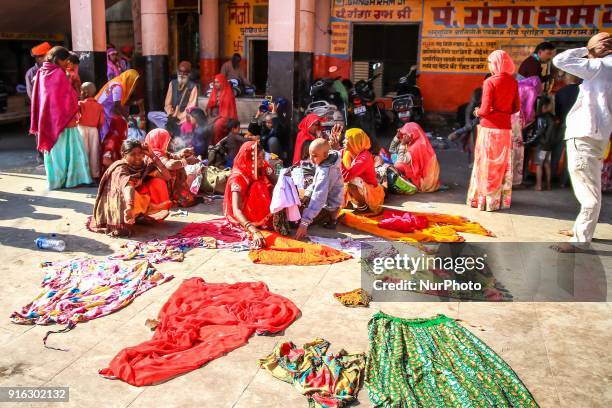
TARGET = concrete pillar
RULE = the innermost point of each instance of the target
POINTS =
(154, 22)
(291, 38)
(322, 38)
(209, 41)
(88, 23)
(136, 24)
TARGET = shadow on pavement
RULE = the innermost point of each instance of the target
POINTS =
(22, 205)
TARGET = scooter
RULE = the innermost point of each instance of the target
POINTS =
(237, 88)
(365, 112)
(408, 104)
(326, 102)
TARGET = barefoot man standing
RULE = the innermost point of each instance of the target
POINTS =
(588, 128)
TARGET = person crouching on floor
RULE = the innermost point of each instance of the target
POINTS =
(324, 197)
(91, 119)
(124, 192)
(361, 184)
(248, 193)
(416, 159)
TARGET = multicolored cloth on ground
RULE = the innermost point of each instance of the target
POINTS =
(84, 289)
(354, 298)
(280, 250)
(329, 381)
(441, 227)
(162, 251)
(200, 322)
(437, 363)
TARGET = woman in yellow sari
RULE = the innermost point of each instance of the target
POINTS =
(361, 184)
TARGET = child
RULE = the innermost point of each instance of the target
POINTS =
(72, 70)
(233, 141)
(91, 118)
(325, 196)
(546, 139)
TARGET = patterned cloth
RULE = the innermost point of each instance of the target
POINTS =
(437, 363)
(162, 251)
(354, 298)
(84, 289)
(327, 380)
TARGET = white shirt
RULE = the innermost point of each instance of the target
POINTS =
(591, 115)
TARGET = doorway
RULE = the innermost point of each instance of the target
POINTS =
(258, 63)
(387, 49)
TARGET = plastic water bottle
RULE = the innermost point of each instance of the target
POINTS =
(49, 243)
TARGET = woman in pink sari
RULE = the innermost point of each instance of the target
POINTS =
(416, 159)
(491, 182)
(529, 89)
(54, 106)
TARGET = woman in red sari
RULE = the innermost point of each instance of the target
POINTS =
(491, 182)
(416, 159)
(248, 193)
(221, 107)
(176, 189)
(309, 129)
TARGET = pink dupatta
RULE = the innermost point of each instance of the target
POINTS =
(54, 105)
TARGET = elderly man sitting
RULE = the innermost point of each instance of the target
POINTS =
(182, 94)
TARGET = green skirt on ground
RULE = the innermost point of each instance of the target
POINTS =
(437, 363)
(67, 164)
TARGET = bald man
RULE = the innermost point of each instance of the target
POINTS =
(588, 129)
(324, 197)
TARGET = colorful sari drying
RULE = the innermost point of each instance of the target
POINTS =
(437, 363)
(222, 104)
(161, 251)
(199, 323)
(250, 180)
(417, 160)
(327, 380)
(84, 289)
(304, 135)
(440, 227)
(280, 250)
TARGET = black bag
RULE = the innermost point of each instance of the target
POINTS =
(530, 135)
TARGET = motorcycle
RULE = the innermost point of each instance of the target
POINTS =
(327, 103)
(408, 104)
(238, 88)
(365, 112)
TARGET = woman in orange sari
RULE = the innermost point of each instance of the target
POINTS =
(416, 159)
(176, 189)
(221, 107)
(248, 193)
(125, 193)
(361, 183)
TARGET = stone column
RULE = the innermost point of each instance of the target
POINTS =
(291, 41)
(154, 22)
(88, 23)
(209, 42)
(322, 38)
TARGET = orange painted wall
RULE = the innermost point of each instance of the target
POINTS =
(446, 92)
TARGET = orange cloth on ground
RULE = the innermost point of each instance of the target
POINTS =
(442, 227)
(282, 250)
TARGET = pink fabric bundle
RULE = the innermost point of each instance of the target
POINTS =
(529, 89)
(404, 223)
(219, 228)
(54, 105)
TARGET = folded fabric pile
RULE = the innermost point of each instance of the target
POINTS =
(225, 234)
(84, 289)
(406, 222)
(280, 250)
(199, 323)
(328, 380)
(440, 227)
(354, 298)
(160, 251)
(437, 363)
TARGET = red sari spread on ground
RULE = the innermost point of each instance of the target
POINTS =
(200, 322)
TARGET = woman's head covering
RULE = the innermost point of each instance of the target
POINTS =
(304, 135)
(501, 63)
(308, 121)
(414, 130)
(158, 140)
(224, 98)
(245, 161)
(127, 81)
(356, 142)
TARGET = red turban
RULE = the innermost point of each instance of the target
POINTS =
(41, 49)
